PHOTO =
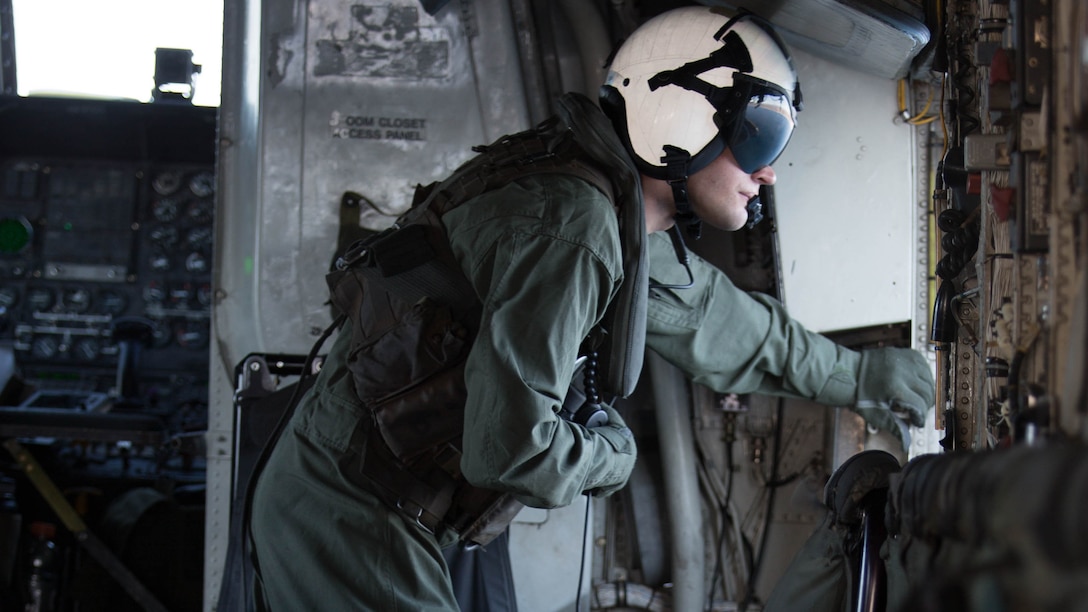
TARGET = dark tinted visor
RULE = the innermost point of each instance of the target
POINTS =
(762, 131)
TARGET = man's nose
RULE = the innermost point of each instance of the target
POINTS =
(764, 176)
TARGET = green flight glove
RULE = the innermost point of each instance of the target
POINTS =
(895, 388)
(623, 441)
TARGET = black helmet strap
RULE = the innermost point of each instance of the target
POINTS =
(677, 163)
(732, 54)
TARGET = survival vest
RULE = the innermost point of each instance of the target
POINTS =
(414, 316)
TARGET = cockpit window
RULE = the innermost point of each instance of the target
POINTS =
(107, 48)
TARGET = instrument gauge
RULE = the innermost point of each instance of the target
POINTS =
(202, 184)
(165, 210)
(166, 183)
(191, 334)
(44, 347)
(200, 212)
(40, 299)
(86, 349)
(112, 302)
(9, 297)
(164, 235)
(76, 299)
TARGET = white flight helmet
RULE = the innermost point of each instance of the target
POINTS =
(692, 81)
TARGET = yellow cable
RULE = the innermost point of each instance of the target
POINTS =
(920, 118)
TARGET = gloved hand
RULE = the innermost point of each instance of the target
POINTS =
(623, 441)
(895, 387)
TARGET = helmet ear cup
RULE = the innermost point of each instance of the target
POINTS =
(611, 102)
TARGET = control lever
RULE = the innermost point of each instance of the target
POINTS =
(132, 334)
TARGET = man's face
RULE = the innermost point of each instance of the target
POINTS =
(720, 192)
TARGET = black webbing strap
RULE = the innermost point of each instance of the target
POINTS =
(677, 165)
(541, 151)
(732, 54)
(432, 494)
(423, 495)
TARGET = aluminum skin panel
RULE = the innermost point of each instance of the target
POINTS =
(845, 203)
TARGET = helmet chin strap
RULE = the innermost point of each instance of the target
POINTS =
(677, 161)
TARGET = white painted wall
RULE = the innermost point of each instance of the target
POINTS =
(845, 202)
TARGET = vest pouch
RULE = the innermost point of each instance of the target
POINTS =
(410, 374)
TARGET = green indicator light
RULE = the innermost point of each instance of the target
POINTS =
(68, 227)
(14, 235)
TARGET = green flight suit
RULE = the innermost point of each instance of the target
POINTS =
(544, 254)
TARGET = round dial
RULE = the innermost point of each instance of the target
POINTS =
(44, 347)
(191, 334)
(164, 235)
(196, 263)
(202, 184)
(77, 300)
(154, 293)
(204, 295)
(112, 302)
(180, 295)
(200, 212)
(159, 262)
(86, 349)
(40, 299)
(166, 183)
(165, 210)
(199, 237)
(9, 296)
(161, 335)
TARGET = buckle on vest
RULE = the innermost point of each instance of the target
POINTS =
(413, 511)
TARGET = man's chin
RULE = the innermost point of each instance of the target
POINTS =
(731, 221)
(732, 224)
